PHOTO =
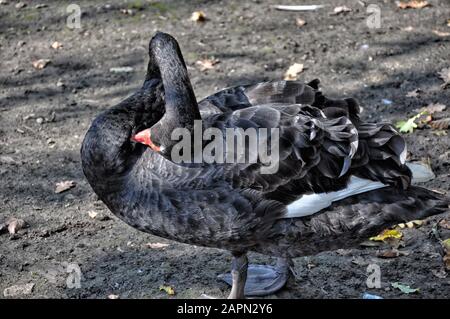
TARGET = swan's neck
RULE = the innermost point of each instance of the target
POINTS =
(181, 104)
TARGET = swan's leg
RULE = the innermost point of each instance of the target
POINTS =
(238, 276)
(262, 280)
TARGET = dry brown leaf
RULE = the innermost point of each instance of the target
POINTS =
(156, 245)
(444, 74)
(441, 33)
(41, 63)
(445, 223)
(64, 186)
(441, 124)
(341, 9)
(423, 120)
(198, 16)
(300, 22)
(293, 71)
(433, 108)
(414, 93)
(446, 244)
(56, 45)
(169, 290)
(15, 224)
(414, 4)
(207, 64)
(392, 253)
(440, 133)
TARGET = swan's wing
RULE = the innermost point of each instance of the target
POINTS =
(300, 137)
(240, 97)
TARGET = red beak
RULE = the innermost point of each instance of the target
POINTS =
(143, 137)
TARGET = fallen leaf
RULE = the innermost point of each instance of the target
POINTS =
(64, 186)
(414, 4)
(409, 125)
(423, 120)
(386, 234)
(18, 290)
(198, 16)
(169, 290)
(439, 133)
(444, 74)
(413, 93)
(15, 224)
(56, 45)
(445, 223)
(207, 64)
(441, 124)
(446, 244)
(446, 259)
(113, 296)
(341, 9)
(441, 33)
(293, 71)
(433, 108)
(156, 245)
(92, 214)
(404, 288)
(300, 22)
(392, 253)
(41, 63)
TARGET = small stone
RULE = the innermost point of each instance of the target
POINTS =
(39, 120)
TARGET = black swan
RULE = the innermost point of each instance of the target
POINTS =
(339, 179)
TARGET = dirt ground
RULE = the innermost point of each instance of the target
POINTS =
(45, 113)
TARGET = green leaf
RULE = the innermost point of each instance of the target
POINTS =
(409, 125)
(404, 288)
